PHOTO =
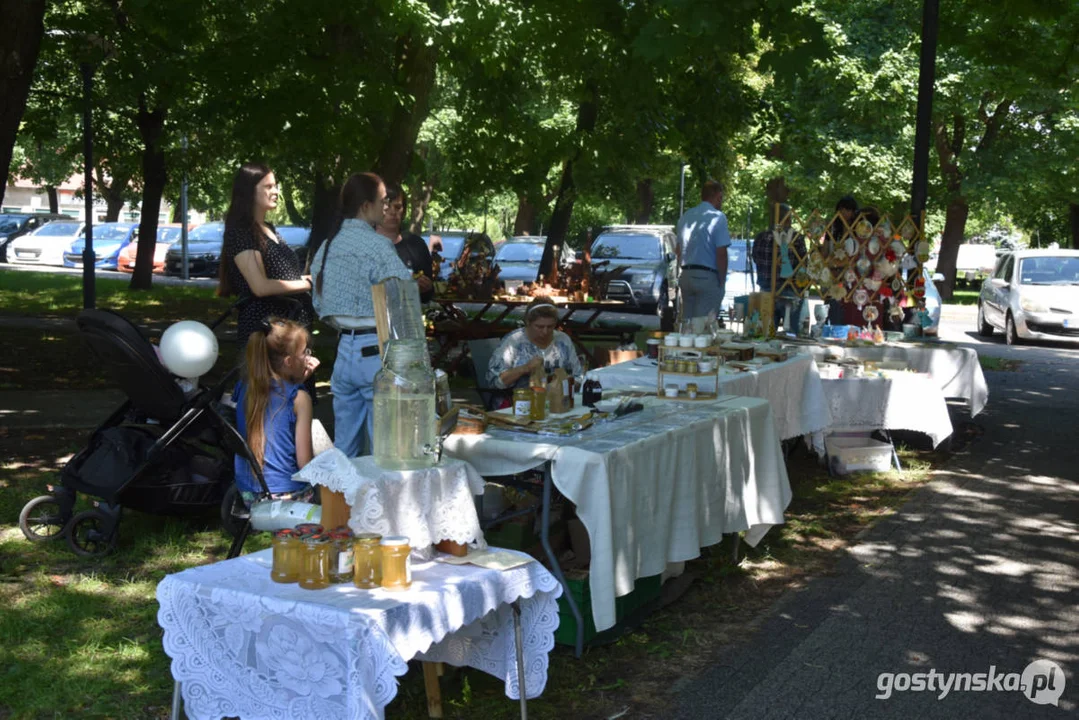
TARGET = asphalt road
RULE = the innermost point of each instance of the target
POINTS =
(979, 570)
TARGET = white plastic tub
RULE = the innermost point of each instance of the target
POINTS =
(857, 454)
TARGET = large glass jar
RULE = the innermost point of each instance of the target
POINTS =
(405, 420)
(286, 555)
(396, 563)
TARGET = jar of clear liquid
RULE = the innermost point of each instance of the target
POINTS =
(405, 417)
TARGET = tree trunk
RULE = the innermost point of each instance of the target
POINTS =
(1073, 214)
(415, 78)
(776, 192)
(176, 209)
(112, 192)
(294, 215)
(525, 221)
(646, 198)
(19, 45)
(54, 200)
(955, 224)
(154, 177)
(587, 111)
(419, 202)
(323, 212)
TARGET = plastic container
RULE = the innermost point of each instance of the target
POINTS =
(685, 341)
(405, 415)
(857, 454)
(286, 556)
(271, 515)
(702, 341)
(366, 560)
(671, 391)
(396, 563)
(671, 339)
(652, 345)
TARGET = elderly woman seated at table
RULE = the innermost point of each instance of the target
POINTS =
(536, 346)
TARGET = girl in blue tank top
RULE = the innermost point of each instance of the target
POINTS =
(273, 411)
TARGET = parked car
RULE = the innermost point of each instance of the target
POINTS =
(519, 260)
(650, 280)
(167, 233)
(46, 245)
(1032, 295)
(109, 240)
(203, 251)
(296, 238)
(14, 225)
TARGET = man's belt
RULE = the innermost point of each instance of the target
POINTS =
(698, 267)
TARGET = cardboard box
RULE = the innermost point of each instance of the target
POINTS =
(611, 356)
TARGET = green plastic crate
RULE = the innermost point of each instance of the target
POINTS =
(511, 535)
(645, 590)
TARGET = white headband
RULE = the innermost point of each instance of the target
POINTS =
(534, 308)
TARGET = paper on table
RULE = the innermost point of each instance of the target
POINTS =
(491, 559)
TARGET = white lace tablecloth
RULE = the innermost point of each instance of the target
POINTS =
(243, 645)
(426, 505)
(793, 388)
(653, 487)
(954, 369)
(913, 402)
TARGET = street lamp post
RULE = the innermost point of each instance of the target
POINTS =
(682, 192)
(183, 211)
(88, 258)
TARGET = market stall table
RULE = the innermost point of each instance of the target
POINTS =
(243, 645)
(476, 326)
(954, 369)
(902, 401)
(792, 388)
(652, 487)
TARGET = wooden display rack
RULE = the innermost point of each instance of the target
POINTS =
(668, 352)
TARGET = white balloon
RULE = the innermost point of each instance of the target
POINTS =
(188, 349)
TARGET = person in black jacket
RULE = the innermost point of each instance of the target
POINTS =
(410, 247)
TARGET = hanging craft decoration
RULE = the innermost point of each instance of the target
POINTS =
(863, 229)
(861, 297)
(871, 313)
(863, 265)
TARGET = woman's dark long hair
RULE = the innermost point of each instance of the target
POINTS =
(240, 217)
(359, 189)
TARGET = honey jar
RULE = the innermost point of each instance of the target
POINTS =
(539, 403)
(366, 560)
(315, 568)
(522, 402)
(286, 556)
(396, 565)
(341, 556)
(691, 390)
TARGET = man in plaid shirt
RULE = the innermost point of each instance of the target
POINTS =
(763, 252)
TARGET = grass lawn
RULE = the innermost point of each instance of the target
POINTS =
(964, 296)
(56, 295)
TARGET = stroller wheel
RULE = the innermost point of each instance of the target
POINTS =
(233, 511)
(86, 534)
(42, 519)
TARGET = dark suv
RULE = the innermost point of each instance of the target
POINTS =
(13, 225)
(649, 280)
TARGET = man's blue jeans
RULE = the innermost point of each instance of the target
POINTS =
(353, 387)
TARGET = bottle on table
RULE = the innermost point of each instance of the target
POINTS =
(592, 392)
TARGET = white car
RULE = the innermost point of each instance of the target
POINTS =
(1032, 295)
(46, 245)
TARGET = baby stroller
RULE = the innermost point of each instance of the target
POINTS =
(160, 452)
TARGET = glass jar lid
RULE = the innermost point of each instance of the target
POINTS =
(373, 538)
(394, 540)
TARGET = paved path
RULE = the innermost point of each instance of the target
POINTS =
(979, 569)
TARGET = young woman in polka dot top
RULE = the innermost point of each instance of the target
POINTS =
(255, 260)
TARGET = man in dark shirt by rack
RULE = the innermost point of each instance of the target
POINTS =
(410, 247)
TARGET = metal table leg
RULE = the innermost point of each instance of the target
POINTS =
(177, 700)
(520, 659)
(545, 540)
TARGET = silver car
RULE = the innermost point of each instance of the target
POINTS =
(1032, 295)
